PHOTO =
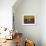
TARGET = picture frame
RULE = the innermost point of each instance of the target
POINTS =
(28, 20)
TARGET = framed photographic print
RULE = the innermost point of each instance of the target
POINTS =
(28, 20)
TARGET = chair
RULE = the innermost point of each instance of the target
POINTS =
(18, 39)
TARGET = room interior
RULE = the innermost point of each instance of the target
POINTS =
(18, 30)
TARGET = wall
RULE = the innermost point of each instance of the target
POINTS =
(32, 7)
(43, 22)
(6, 13)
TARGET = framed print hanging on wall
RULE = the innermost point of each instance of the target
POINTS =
(28, 20)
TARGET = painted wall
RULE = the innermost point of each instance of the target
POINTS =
(32, 7)
(6, 13)
(43, 22)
